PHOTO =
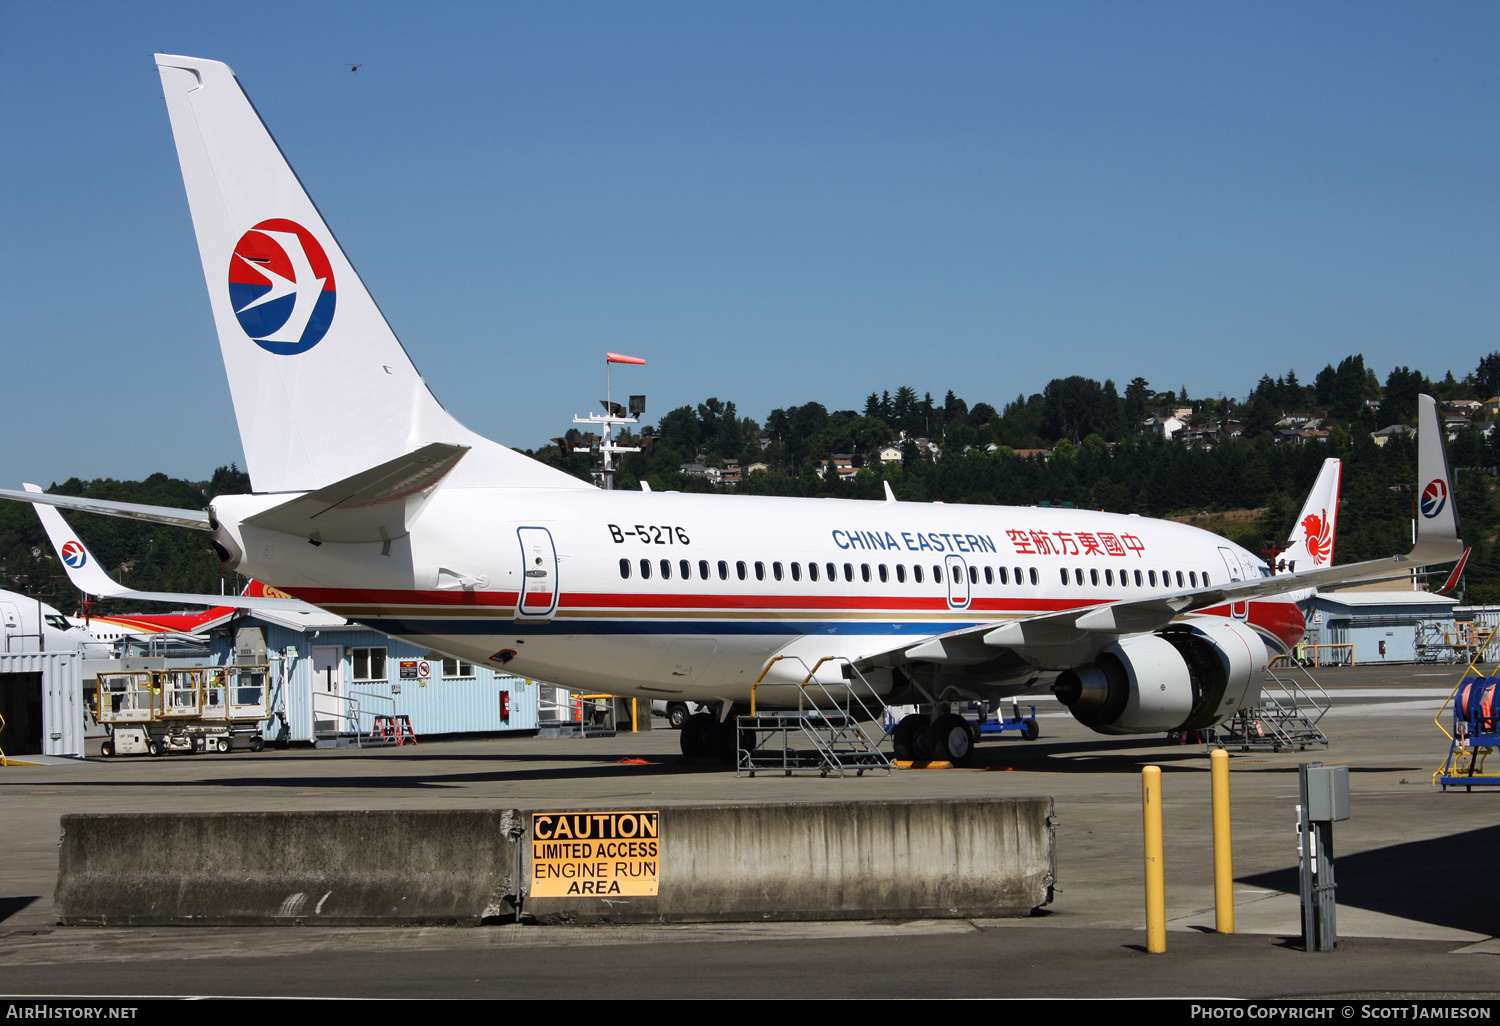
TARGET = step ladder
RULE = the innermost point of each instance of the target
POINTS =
(392, 730)
(826, 733)
(1286, 717)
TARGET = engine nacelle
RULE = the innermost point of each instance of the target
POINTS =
(1187, 677)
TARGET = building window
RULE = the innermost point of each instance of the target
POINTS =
(369, 664)
(457, 668)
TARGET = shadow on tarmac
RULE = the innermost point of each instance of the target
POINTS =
(10, 906)
(1441, 881)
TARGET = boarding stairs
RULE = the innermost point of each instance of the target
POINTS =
(1286, 717)
(833, 730)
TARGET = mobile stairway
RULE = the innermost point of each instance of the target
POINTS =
(834, 729)
(1285, 718)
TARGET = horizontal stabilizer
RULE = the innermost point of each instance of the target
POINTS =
(374, 505)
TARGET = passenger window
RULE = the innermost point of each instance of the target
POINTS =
(645, 569)
(989, 576)
(864, 572)
(666, 569)
(900, 573)
(703, 569)
(916, 573)
(1094, 577)
(973, 575)
(937, 575)
(1179, 578)
(833, 572)
(625, 569)
(796, 571)
(884, 573)
(723, 570)
(1065, 575)
(1152, 576)
(1020, 577)
(812, 571)
(1078, 576)
(1004, 576)
(776, 570)
(1193, 577)
(1139, 580)
(760, 570)
(739, 569)
(849, 572)
(1034, 578)
(1205, 579)
(1109, 578)
(686, 569)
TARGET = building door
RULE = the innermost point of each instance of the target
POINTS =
(328, 712)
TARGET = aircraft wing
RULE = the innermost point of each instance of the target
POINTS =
(89, 577)
(196, 519)
(1092, 625)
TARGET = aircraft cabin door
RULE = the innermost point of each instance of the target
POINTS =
(1238, 610)
(539, 584)
(957, 572)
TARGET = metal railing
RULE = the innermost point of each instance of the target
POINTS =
(832, 724)
(1286, 716)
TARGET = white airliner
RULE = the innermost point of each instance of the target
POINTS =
(374, 503)
(31, 626)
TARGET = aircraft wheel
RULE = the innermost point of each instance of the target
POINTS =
(694, 737)
(107, 749)
(677, 715)
(1030, 730)
(951, 740)
(911, 738)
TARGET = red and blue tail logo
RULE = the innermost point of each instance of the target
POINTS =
(281, 287)
(1434, 497)
(74, 554)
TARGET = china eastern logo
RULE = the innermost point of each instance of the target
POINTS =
(281, 287)
(74, 554)
(1434, 497)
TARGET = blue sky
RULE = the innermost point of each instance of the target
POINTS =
(771, 202)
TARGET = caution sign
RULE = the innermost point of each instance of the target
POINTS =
(604, 853)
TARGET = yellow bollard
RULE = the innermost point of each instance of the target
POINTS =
(1223, 844)
(1156, 882)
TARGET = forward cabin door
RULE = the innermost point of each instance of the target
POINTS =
(539, 583)
(1238, 610)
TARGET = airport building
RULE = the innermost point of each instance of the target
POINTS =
(1384, 625)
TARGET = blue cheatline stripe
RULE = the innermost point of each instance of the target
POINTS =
(640, 627)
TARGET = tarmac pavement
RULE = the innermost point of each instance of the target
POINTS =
(1416, 893)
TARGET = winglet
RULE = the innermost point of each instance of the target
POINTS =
(83, 569)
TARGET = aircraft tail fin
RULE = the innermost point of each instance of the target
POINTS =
(322, 388)
(1437, 515)
(1314, 532)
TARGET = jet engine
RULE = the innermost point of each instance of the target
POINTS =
(1187, 677)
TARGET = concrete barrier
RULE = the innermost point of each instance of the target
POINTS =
(840, 860)
(699, 863)
(293, 868)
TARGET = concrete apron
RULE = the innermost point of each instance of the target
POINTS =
(957, 858)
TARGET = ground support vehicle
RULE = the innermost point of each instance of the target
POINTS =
(183, 709)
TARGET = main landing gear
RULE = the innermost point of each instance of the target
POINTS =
(949, 738)
(706, 736)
